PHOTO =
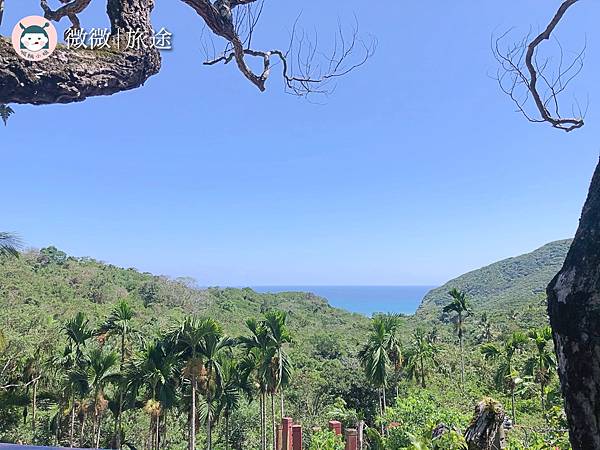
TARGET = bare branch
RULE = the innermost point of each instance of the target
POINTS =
(522, 76)
(72, 75)
(1, 10)
(70, 10)
(305, 69)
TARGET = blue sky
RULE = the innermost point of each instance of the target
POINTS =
(416, 170)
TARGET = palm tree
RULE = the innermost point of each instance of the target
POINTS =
(421, 354)
(102, 369)
(541, 364)
(506, 375)
(119, 324)
(186, 341)
(460, 306)
(154, 368)
(77, 384)
(9, 244)
(78, 332)
(75, 363)
(255, 366)
(394, 346)
(375, 359)
(32, 373)
(279, 366)
(486, 332)
(234, 383)
(213, 348)
(275, 322)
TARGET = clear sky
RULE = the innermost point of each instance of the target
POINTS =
(416, 170)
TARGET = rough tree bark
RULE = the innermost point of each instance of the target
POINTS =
(486, 431)
(574, 309)
(72, 75)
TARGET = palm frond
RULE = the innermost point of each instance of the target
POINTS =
(5, 112)
(10, 244)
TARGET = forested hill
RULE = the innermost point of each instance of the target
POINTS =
(508, 285)
(41, 289)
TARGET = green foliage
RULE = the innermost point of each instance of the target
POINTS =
(421, 356)
(51, 255)
(505, 286)
(326, 440)
(449, 440)
(417, 413)
(344, 364)
(9, 242)
(5, 112)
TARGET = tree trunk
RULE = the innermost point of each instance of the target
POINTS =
(82, 432)
(98, 432)
(543, 398)
(381, 409)
(423, 374)
(273, 422)
(262, 435)
(72, 75)
(118, 422)
(266, 439)
(157, 433)
(574, 309)
(72, 426)
(209, 428)
(282, 405)
(94, 428)
(226, 431)
(34, 409)
(486, 431)
(193, 418)
(512, 403)
(462, 351)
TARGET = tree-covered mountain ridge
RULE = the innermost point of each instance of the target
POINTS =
(41, 289)
(505, 285)
(343, 366)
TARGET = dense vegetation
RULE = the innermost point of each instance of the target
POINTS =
(88, 349)
(505, 288)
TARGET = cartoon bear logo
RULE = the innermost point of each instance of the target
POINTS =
(34, 38)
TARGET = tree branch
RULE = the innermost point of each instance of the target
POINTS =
(519, 65)
(72, 75)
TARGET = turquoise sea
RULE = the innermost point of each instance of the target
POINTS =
(363, 299)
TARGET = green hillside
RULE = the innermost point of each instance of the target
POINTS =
(505, 287)
(41, 291)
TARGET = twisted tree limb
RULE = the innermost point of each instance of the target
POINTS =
(71, 75)
(520, 68)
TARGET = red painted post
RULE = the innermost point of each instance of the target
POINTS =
(335, 426)
(351, 439)
(297, 437)
(286, 433)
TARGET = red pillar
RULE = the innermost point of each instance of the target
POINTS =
(351, 439)
(297, 437)
(286, 433)
(335, 426)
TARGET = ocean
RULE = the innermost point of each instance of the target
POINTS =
(363, 299)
